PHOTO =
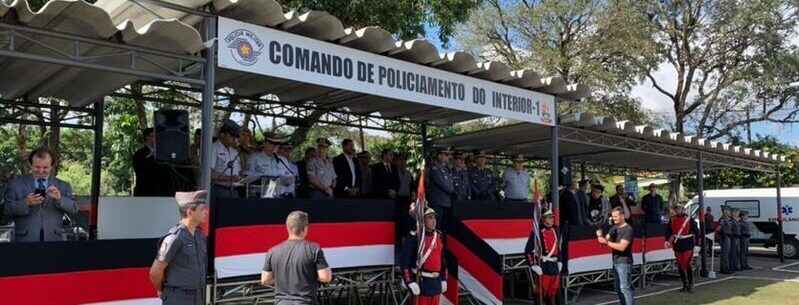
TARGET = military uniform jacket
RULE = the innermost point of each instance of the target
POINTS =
(440, 187)
(736, 228)
(550, 240)
(725, 227)
(186, 256)
(434, 263)
(463, 188)
(483, 184)
(682, 232)
(746, 231)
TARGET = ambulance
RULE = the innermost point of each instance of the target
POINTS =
(761, 204)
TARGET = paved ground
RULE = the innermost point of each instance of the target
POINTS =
(748, 287)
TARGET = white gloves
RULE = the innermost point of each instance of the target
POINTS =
(536, 269)
(443, 286)
(414, 287)
(560, 266)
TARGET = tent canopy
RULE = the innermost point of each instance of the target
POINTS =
(607, 142)
(174, 35)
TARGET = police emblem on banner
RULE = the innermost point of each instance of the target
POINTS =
(244, 46)
(546, 114)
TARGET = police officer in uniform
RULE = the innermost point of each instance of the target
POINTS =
(746, 233)
(432, 274)
(547, 265)
(460, 177)
(735, 242)
(179, 270)
(441, 188)
(484, 182)
(725, 234)
(681, 235)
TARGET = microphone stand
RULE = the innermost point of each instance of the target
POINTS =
(230, 167)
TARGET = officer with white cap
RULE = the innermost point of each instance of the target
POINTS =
(179, 270)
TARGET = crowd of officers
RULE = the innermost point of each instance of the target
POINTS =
(734, 233)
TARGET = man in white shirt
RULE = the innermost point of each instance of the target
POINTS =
(321, 174)
(226, 171)
(516, 181)
(287, 171)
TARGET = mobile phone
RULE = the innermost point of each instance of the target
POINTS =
(41, 192)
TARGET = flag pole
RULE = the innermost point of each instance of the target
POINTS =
(421, 205)
(538, 244)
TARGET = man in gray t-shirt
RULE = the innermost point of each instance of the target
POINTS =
(296, 266)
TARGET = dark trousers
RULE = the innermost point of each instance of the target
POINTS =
(735, 249)
(725, 254)
(178, 296)
(744, 253)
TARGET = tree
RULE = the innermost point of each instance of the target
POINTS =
(732, 177)
(582, 41)
(717, 48)
(406, 18)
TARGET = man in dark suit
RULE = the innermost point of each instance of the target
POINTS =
(348, 173)
(148, 172)
(38, 202)
(385, 181)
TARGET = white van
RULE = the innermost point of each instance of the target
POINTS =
(761, 204)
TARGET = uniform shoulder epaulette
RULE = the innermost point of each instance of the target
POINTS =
(173, 230)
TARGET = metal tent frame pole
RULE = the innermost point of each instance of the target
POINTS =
(207, 112)
(779, 216)
(700, 179)
(97, 158)
(555, 169)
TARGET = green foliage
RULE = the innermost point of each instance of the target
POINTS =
(405, 18)
(583, 41)
(121, 138)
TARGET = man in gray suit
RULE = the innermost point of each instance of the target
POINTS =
(37, 202)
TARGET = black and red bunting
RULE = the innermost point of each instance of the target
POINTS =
(77, 272)
(72, 256)
(245, 212)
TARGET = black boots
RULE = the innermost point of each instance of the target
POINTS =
(687, 279)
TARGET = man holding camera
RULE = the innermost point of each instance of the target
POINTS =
(38, 202)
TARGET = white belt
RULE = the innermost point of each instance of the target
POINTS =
(549, 259)
(684, 236)
(430, 274)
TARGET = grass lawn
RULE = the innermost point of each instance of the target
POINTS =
(731, 292)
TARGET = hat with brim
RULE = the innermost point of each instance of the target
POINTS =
(481, 154)
(364, 154)
(519, 158)
(230, 127)
(187, 198)
(429, 211)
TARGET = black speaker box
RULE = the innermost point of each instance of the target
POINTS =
(172, 136)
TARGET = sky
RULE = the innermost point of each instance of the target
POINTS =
(658, 103)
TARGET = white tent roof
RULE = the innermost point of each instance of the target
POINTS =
(606, 141)
(144, 24)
